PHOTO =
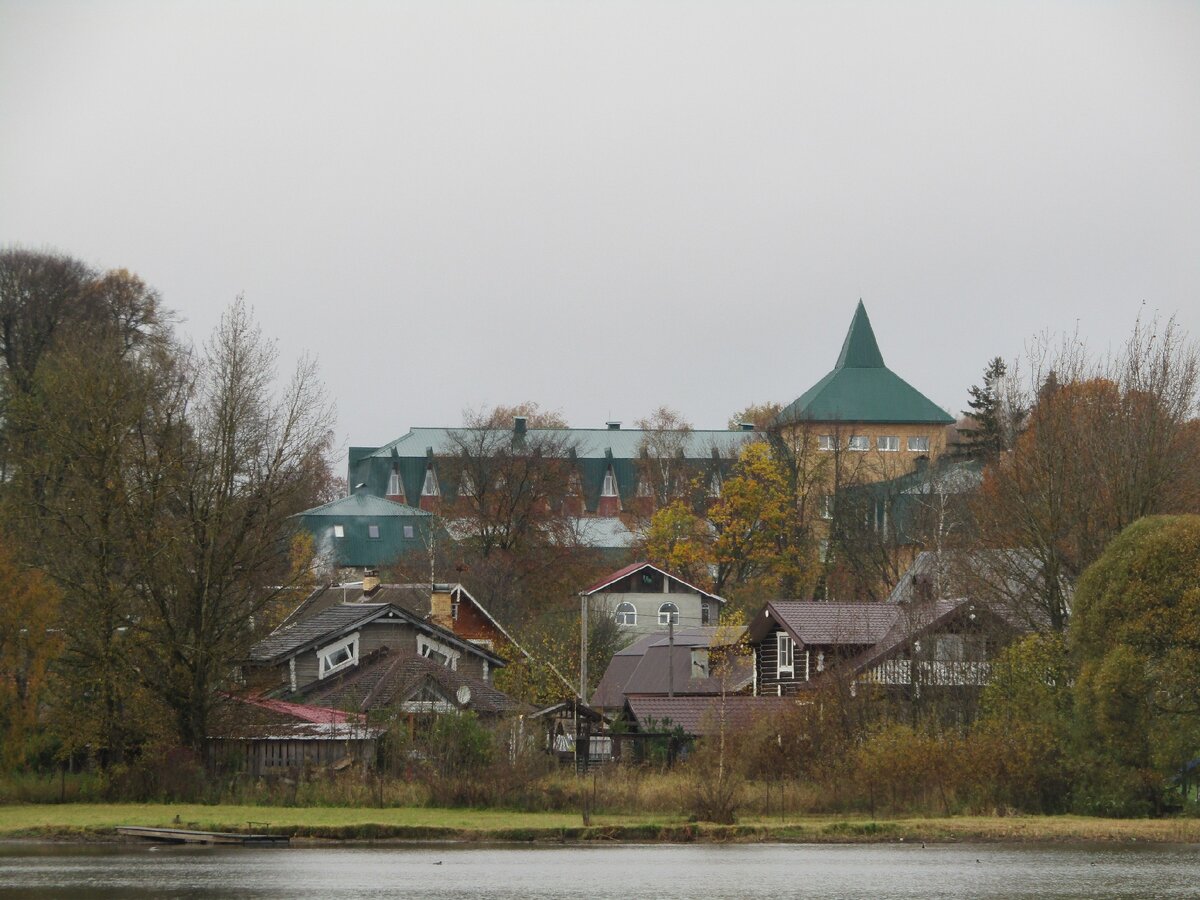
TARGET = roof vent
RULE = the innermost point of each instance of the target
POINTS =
(519, 423)
(746, 426)
(613, 426)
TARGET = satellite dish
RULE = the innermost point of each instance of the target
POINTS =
(464, 695)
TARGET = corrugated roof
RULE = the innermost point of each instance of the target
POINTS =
(589, 443)
(327, 623)
(701, 716)
(862, 389)
(825, 624)
(653, 673)
(610, 692)
(363, 505)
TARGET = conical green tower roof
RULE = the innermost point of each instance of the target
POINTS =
(862, 389)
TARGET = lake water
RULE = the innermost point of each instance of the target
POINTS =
(829, 872)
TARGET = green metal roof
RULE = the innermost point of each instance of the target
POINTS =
(862, 389)
(589, 443)
(363, 505)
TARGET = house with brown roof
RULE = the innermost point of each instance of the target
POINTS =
(697, 662)
(795, 641)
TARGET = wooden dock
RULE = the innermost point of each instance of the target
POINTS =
(186, 836)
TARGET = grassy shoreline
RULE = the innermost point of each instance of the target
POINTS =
(97, 822)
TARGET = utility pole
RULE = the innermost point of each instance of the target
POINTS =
(583, 648)
(670, 656)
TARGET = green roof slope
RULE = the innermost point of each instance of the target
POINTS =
(363, 505)
(862, 389)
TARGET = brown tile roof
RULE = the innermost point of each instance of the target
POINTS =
(825, 624)
(701, 716)
(652, 675)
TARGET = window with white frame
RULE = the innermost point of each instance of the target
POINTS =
(888, 442)
(705, 613)
(827, 506)
(714, 485)
(373, 532)
(394, 487)
(626, 613)
(668, 614)
(786, 648)
(430, 487)
(859, 442)
(466, 485)
(825, 442)
(610, 484)
(339, 531)
(643, 488)
(408, 531)
(437, 651)
(337, 656)
(918, 444)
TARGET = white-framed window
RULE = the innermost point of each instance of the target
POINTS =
(825, 442)
(430, 487)
(626, 613)
(643, 488)
(339, 531)
(859, 442)
(338, 655)
(888, 442)
(668, 614)
(437, 651)
(609, 488)
(408, 531)
(395, 488)
(786, 648)
(918, 444)
(373, 532)
(827, 506)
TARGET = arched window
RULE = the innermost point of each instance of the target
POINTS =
(626, 613)
(668, 614)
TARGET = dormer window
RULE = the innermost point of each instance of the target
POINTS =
(626, 613)
(668, 614)
(430, 487)
(714, 485)
(338, 656)
(609, 489)
(643, 487)
(437, 651)
(466, 485)
(395, 488)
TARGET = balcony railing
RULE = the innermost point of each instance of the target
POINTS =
(933, 672)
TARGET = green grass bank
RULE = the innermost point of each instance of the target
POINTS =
(98, 821)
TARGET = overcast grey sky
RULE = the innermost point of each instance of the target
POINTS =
(607, 206)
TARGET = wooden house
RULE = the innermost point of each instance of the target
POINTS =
(796, 641)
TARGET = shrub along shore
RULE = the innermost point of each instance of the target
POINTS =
(98, 822)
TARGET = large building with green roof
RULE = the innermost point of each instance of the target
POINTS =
(860, 406)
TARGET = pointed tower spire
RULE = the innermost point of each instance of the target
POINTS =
(860, 350)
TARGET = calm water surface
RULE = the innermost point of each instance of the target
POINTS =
(871, 872)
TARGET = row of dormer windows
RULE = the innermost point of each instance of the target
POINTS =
(861, 442)
(431, 488)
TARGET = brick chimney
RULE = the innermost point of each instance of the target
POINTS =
(441, 609)
(370, 582)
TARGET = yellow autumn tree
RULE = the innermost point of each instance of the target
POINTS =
(28, 644)
(680, 542)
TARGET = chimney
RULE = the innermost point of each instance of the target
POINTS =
(519, 424)
(613, 426)
(370, 582)
(441, 609)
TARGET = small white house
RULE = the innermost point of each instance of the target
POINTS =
(643, 599)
